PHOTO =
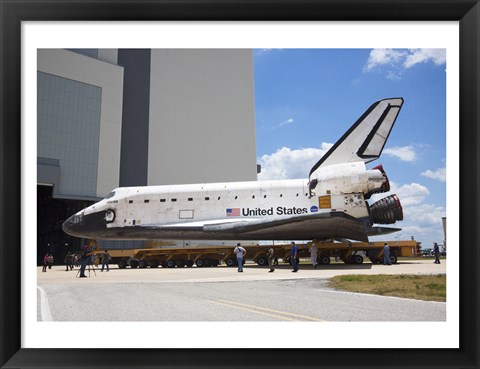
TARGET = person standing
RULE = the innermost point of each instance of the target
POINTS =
(75, 260)
(45, 263)
(105, 260)
(270, 259)
(84, 258)
(240, 252)
(386, 254)
(314, 255)
(50, 261)
(68, 261)
(436, 252)
(294, 257)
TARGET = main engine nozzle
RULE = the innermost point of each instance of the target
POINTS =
(387, 210)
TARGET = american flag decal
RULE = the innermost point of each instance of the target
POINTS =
(233, 212)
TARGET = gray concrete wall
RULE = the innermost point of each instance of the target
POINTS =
(198, 110)
(68, 121)
(202, 116)
(86, 103)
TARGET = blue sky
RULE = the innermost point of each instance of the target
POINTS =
(305, 99)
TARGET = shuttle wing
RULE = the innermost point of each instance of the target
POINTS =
(364, 141)
(317, 226)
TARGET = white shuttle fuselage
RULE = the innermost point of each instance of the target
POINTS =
(331, 203)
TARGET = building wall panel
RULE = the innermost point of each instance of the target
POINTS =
(84, 70)
(202, 118)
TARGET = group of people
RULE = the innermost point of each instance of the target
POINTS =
(86, 257)
(47, 262)
(240, 253)
(83, 260)
(387, 259)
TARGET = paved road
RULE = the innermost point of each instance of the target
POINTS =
(222, 294)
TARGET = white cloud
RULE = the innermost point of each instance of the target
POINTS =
(416, 56)
(284, 123)
(424, 222)
(421, 220)
(286, 163)
(395, 62)
(426, 214)
(409, 194)
(404, 153)
(259, 52)
(440, 174)
(382, 57)
(393, 75)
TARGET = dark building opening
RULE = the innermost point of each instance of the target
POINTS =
(51, 213)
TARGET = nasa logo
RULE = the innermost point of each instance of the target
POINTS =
(314, 209)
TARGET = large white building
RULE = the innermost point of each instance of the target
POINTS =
(132, 117)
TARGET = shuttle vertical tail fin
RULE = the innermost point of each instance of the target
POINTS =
(365, 139)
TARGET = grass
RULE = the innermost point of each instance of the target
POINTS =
(419, 287)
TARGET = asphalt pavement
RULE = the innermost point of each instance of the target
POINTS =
(223, 294)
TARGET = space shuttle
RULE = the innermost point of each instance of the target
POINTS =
(332, 203)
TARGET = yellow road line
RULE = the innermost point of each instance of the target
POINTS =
(264, 311)
(254, 311)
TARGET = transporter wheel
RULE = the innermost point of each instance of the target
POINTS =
(170, 263)
(215, 263)
(207, 262)
(133, 264)
(180, 263)
(200, 263)
(357, 259)
(142, 264)
(122, 264)
(154, 263)
(262, 261)
(393, 259)
(325, 259)
(189, 263)
(230, 262)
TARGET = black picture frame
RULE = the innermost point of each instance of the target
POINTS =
(12, 13)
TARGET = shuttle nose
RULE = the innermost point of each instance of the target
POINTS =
(74, 224)
(92, 225)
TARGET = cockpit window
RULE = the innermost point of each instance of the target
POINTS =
(110, 195)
